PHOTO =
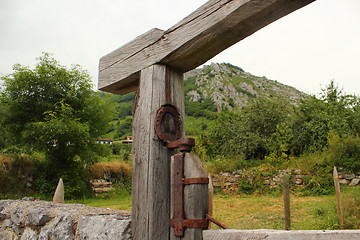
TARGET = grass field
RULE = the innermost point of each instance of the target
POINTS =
(265, 212)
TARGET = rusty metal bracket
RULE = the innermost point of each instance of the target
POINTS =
(178, 221)
(168, 128)
(178, 195)
(187, 181)
(211, 219)
(184, 144)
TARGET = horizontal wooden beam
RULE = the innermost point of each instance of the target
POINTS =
(212, 28)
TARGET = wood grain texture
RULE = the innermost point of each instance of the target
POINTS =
(151, 159)
(262, 234)
(116, 57)
(212, 28)
(195, 197)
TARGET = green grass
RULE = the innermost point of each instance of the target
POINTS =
(263, 212)
(120, 200)
(307, 213)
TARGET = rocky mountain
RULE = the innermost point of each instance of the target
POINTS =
(209, 90)
(230, 87)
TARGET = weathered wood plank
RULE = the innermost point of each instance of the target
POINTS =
(151, 159)
(231, 234)
(215, 26)
(211, 197)
(122, 54)
(195, 195)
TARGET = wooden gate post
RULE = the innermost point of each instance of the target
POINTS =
(159, 85)
(210, 29)
(195, 200)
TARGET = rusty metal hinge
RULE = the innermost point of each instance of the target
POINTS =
(168, 128)
(178, 221)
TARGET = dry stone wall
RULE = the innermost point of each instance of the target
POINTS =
(40, 220)
(228, 182)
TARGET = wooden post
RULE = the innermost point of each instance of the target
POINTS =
(159, 85)
(195, 196)
(211, 197)
(338, 198)
(212, 28)
(286, 197)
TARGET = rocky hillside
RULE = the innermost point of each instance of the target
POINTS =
(230, 87)
(209, 90)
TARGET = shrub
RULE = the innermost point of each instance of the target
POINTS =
(345, 153)
(121, 150)
(17, 170)
(47, 176)
(114, 171)
(317, 173)
(252, 180)
(4, 174)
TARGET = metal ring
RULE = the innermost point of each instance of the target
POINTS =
(161, 115)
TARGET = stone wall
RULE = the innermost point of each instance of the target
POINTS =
(40, 220)
(30, 219)
(228, 182)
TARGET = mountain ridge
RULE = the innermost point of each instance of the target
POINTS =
(230, 87)
(209, 90)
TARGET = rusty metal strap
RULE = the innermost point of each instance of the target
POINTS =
(196, 223)
(184, 144)
(187, 181)
(211, 219)
(191, 223)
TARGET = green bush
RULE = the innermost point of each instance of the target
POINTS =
(122, 150)
(345, 153)
(47, 175)
(317, 173)
(17, 170)
(252, 180)
(221, 163)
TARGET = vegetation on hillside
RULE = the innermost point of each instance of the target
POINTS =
(240, 121)
(208, 91)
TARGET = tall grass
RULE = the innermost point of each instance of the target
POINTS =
(307, 213)
(263, 212)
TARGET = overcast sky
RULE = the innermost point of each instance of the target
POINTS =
(306, 49)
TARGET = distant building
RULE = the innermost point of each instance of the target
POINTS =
(104, 141)
(128, 140)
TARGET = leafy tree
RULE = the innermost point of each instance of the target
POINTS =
(315, 118)
(54, 109)
(248, 132)
(345, 152)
